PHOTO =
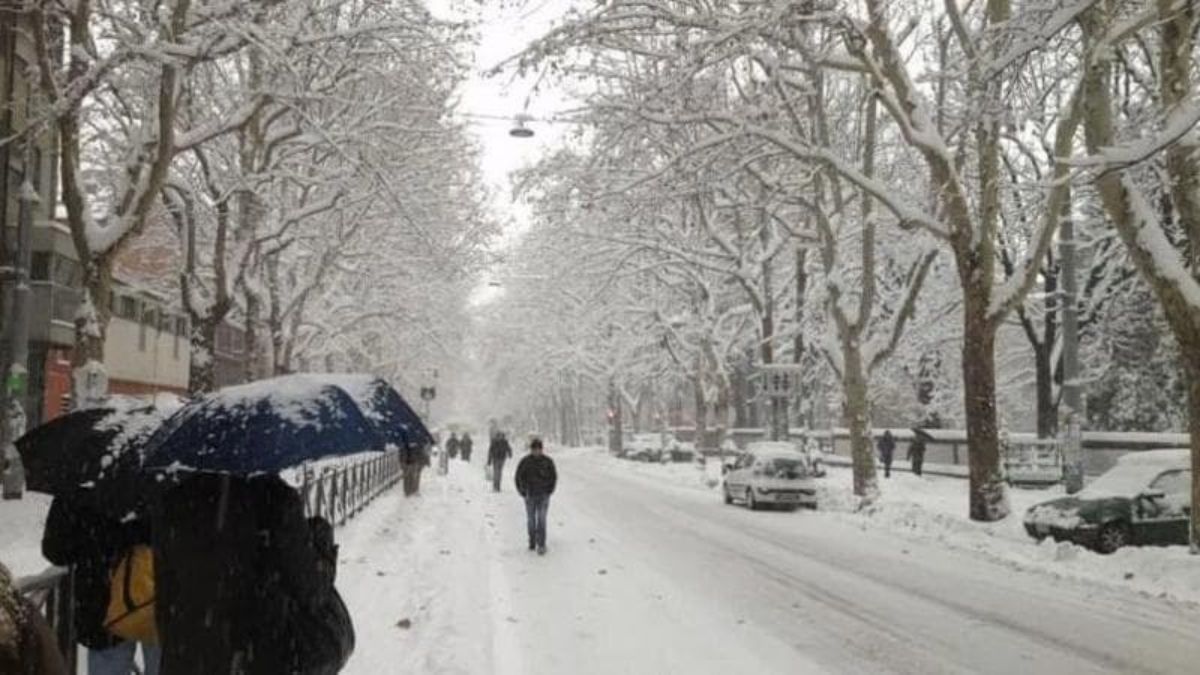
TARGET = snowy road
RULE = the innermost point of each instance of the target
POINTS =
(644, 577)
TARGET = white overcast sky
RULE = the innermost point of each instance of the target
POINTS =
(505, 28)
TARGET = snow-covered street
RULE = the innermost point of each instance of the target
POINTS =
(644, 576)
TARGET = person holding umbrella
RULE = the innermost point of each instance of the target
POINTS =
(90, 461)
(241, 586)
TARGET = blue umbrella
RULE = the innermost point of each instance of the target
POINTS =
(385, 409)
(262, 427)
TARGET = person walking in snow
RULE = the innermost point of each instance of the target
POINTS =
(916, 453)
(887, 451)
(465, 446)
(536, 479)
(498, 452)
(452, 445)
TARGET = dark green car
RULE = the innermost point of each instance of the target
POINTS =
(1144, 500)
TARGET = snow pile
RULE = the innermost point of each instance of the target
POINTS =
(21, 524)
(934, 510)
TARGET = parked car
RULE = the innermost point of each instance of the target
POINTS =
(680, 451)
(771, 474)
(1144, 500)
(647, 447)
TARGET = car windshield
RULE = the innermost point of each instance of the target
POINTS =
(785, 467)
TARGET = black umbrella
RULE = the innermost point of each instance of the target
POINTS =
(92, 455)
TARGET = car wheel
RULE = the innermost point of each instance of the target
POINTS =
(750, 500)
(1112, 537)
(728, 497)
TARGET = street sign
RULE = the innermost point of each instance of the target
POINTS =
(780, 380)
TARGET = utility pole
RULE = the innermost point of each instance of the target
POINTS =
(1070, 430)
(15, 367)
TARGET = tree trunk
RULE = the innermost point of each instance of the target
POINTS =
(988, 501)
(250, 357)
(90, 385)
(856, 408)
(202, 373)
(701, 408)
(1047, 410)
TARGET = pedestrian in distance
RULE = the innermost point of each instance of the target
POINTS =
(536, 479)
(92, 544)
(465, 445)
(452, 446)
(887, 451)
(498, 453)
(916, 453)
(413, 460)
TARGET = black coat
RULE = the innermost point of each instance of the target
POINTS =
(499, 450)
(92, 544)
(536, 476)
(233, 558)
(887, 448)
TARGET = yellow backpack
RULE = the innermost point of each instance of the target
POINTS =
(131, 597)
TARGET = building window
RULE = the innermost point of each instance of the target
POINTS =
(127, 308)
(39, 266)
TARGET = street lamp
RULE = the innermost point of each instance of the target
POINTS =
(519, 129)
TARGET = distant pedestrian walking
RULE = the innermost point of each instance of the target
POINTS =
(413, 460)
(536, 479)
(498, 452)
(916, 451)
(452, 446)
(887, 451)
(465, 445)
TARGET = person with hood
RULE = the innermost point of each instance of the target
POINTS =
(236, 570)
(536, 479)
(91, 544)
(887, 451)
(465, 445)
(27, 645)
(498, 452)
(452, 445)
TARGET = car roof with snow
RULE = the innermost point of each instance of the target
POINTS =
(1166, 459)
(773, 449)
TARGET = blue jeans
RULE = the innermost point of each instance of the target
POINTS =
(118, 660)
(536, 507)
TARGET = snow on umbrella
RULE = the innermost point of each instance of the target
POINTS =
(94, 455)
(920, 433)
(385, 409)
(262, 427)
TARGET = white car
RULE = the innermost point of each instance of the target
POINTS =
(645, 447)
(771, 474)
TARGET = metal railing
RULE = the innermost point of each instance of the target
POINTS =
(335, 493)
(52, 593)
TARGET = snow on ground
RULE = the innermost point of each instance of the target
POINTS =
(933, 509)
(21, 523)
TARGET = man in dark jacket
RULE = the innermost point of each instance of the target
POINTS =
(465, 446)
(887, 451)
(91, 543)
(916, 453)
(452, 446)
(536, 478)
(498, 452)
(234, 558)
